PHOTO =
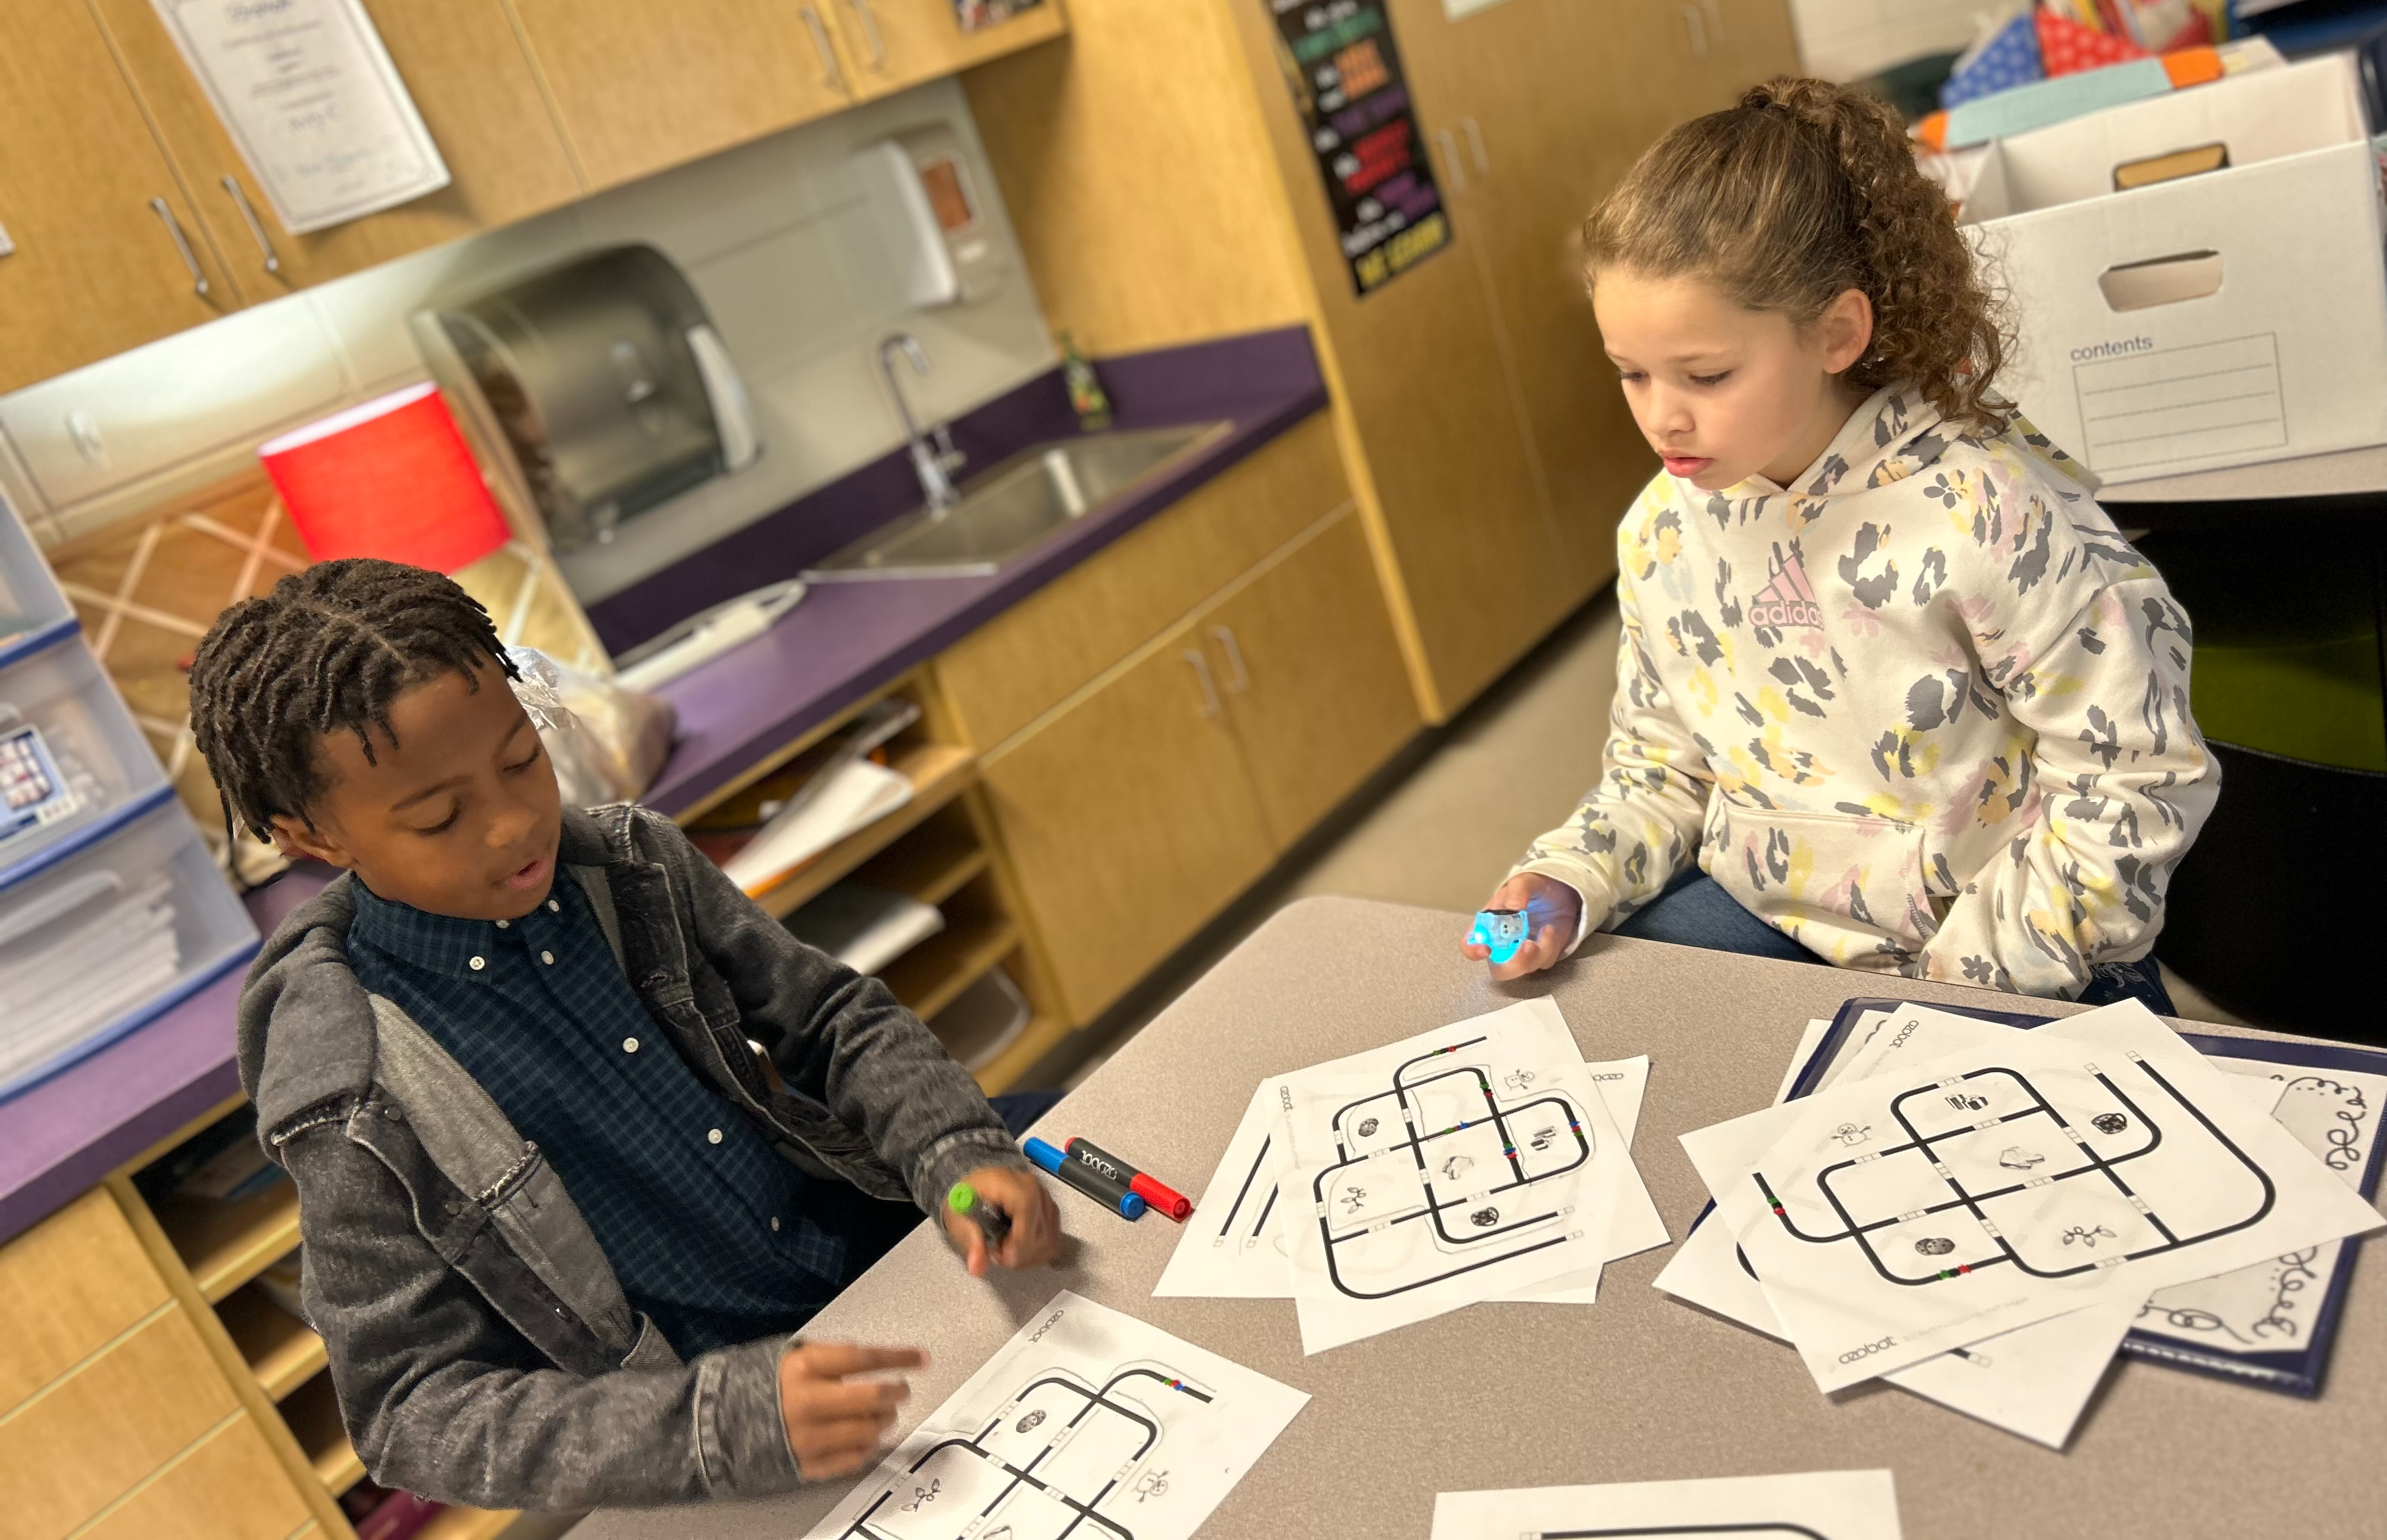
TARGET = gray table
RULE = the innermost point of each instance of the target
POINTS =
(1639, 1387)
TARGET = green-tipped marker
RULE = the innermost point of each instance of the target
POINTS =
(992, 1223)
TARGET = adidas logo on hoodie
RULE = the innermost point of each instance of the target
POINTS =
(1786, 599)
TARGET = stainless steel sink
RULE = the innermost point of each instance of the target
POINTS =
(1012, 509)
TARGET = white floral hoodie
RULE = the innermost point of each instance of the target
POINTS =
(1927, 714)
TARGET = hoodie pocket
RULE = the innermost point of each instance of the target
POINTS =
(1851, 887)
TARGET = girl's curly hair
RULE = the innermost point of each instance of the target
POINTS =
(1801, 191)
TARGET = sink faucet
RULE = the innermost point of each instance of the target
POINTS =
(933, 455)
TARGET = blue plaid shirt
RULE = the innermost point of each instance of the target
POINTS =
(712, 1233)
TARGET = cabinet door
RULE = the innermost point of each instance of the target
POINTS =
(897, 43)
(1416, 366)
(642, 84)
(1534, 157)
(107, 253)
(1128, 820)
(1312, 677)
(469, 78)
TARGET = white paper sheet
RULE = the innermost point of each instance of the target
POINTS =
(1235, 1245)
(2090, 1160)
(2033, 1382)
(1087, 1422)
(857, 792)
(310, 95)
(1817, 1505)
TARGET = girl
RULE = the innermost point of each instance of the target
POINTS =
(1889, 678)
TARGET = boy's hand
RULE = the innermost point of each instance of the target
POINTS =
(834, 1423)
(1035, 1237)
(1552, 911)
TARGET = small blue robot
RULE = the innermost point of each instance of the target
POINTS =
(1503, 930)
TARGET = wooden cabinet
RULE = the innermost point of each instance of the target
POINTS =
(229, 1487)
(642, 84)
(468, 77)
(1311, 674)
(1029, 659)
(894, 44)
(1419, 367)
(1130, 820)
(109, 252)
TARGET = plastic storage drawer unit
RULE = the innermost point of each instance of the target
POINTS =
(104, 939)
(71, 757)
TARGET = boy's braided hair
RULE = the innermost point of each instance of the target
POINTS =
(329, 649)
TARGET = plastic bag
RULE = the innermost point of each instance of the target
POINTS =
(607, 741)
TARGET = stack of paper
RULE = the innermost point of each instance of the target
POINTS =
(1978, 1213)
(89, 955)
(865, 928)
(1481, 1161)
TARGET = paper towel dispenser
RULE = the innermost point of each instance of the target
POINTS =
(599, 384)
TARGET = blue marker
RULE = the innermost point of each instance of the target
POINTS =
(1112, 1196)
(1501, 929)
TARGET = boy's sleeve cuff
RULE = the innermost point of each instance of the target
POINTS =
(955, 1156)
(741, 1431)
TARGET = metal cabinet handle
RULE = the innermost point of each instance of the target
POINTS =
(1697, 27)
(832, 73)
(1242, 679)
(1450, 159)
(255, 227)
(174, 228)
(1210, 703)
(870, 33)
(1475, 138)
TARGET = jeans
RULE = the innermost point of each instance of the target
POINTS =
(1694, 911)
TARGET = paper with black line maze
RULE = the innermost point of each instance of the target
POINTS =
(1462, 1165)
(1237, 1244)
(1087, 1422)
(1934, 1206)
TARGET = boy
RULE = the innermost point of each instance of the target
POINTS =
(580, 1134)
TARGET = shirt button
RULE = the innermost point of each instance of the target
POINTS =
(629, 1045)
(554, 907)
(713, 1137)
(774, 1224)
(548, 957)
(478, 963)
(505, 925)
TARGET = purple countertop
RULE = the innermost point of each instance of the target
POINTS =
(844, 640)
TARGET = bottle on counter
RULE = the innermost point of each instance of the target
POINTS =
(1086, 396)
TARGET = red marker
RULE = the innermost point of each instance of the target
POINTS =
(1163, 1198)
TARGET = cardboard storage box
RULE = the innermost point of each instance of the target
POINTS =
(2223, 316)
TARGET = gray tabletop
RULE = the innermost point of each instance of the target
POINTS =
(1639, 1387)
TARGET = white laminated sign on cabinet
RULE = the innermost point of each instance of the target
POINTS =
(310, 95)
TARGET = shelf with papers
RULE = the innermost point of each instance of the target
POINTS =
(225, 1245)
(313, 1413)
(280, 1350)
(1043, 1035)
(933, 862)
(937, 773)
(927, 978)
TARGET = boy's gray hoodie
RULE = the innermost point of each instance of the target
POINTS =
(481, 1347)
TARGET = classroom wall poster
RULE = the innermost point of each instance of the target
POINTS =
(1340, 60)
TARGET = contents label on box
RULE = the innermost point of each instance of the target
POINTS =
(2164, 404)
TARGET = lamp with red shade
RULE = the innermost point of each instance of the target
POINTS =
(395, 478)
